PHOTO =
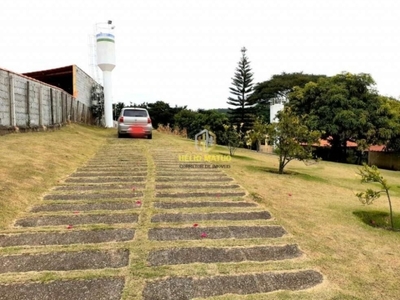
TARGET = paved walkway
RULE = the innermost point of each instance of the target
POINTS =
(133, 224)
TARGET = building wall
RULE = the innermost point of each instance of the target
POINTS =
(26, 102)
(4, 105)
(384, 160)
(274, 109)
(84, 84)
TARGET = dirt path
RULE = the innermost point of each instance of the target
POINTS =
(134, 224)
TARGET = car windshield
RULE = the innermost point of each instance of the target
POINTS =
(135, 113)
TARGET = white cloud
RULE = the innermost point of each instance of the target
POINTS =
(185, 51)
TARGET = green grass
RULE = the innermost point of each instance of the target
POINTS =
(31, 163)
(378, 219)
(315, 204)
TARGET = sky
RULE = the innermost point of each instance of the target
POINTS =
(185, 52)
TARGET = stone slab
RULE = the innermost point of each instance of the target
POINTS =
(67, 237)
(65, 261)
(186, 288)
(86, 196)
(106, 179)
(196, 186)
(173, 205)
(167, 171)
(200, 180)
(106, 163)
(234, 216)
(191, 173)
(92, 289)
(175, 256)
(75, 219)
(112, 168)
(200, 194)
(230, 232)
(98, 187)
(85, 207)
(178, 175)
(107, 174)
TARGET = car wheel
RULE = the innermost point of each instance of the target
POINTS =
(150, 136)
(119, 135)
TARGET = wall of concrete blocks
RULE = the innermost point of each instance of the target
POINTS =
(84, 84)
(28, 103)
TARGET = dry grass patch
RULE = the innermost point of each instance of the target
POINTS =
(31, 163)
(316, 205)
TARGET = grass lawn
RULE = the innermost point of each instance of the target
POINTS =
(31, 163)
(316, 204)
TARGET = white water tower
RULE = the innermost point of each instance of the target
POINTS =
(276, 105)
(105, 45)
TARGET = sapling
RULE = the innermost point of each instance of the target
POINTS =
(233, 137)
(372, 174)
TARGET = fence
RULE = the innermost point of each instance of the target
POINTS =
(26, 103)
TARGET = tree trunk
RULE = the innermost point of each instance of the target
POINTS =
(281, 165)
(390, 209)
(344, 155)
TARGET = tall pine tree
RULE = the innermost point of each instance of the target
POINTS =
(242, 88)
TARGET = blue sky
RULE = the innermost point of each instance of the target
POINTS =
(185, 52)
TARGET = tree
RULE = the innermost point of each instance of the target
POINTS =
(257, 134)
(143, 105)
(372, 174)
(291, 138)
(162, 113)
(279, 86)
(241, 89)
(117, 107)
(389, 119)
(262, 111)
(232, 137)
(194, 121)
(346, 107)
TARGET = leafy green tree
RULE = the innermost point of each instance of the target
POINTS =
(117, 107)
(372, 174)
(346, 107)
(242, 86)
(215, 121)
(232, 137)
(195, 121)
(257, 134)
(389, 119)
(162, 113)
(142, 105)
(279, 86)
(291, 138)
(262, 112)
(184, 120)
